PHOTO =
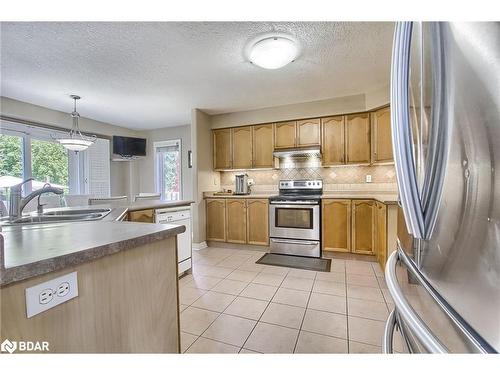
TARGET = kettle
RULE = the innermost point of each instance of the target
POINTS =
(241, 184)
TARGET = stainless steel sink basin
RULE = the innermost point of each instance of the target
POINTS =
(59, 216)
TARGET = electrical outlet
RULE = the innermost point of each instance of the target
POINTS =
(368, 178)
(44, 296)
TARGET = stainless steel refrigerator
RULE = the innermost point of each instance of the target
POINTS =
(445, 109)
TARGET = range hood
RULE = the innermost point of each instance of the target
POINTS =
(302, 152)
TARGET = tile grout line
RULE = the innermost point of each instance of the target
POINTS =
(305, 312)
(260, 317)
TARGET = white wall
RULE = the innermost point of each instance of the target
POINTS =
(333, 106)
(120, 171)
(146, 165)
(204, 178)
(378, 98)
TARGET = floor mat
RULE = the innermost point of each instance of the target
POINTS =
(293, 261)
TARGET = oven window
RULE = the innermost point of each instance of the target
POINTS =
(301, 218)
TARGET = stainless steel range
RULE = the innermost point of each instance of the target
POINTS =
(294, 218)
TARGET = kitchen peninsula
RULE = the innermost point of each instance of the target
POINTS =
(123, 269)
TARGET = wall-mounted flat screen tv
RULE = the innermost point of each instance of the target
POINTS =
(128, 146)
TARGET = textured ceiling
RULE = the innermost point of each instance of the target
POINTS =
(150, 75)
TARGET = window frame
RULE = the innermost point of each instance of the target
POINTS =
(76, 177)
(158, 183)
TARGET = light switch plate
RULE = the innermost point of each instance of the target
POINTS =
(44, 296)
(368, 178)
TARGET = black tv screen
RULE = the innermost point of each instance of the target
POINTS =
(128, 146)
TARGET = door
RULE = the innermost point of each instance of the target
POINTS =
(258, 221)
(242, 147)
(222, 149)
(363, 228)
(357, 129)
(381, 233)
(284, 134)
(381, 136)
(236, 215)
(336, 225)
(308, 132)
(333, 140)
(216, 219)
(297, 221)
(262, 146)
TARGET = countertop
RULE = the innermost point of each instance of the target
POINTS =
(381, 196)
(31, 250)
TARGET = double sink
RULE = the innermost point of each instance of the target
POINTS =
(58, 216)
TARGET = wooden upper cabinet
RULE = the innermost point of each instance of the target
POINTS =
(285, 134)
(236, 221)
(333, 141)
(336, 224)
(308, 132)
(363, 227)
(381, 136)
(381, 233)
(216, 219)
(258, 221)
(263, 146)
(242, 147)
(222, 149)
(357, 128)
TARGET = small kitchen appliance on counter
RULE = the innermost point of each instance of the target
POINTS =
(294, 218)
(241, 184)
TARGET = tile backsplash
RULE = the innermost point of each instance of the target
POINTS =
(340, 175)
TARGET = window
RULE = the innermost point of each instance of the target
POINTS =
(168, 169)
(29, 151)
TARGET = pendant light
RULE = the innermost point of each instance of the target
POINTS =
(76, 141)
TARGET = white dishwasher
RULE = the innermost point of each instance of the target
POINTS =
(179, 216)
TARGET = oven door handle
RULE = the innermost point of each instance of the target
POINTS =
(295, 242)
(275, 205)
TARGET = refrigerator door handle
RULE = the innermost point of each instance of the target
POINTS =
(402, 139)
(429, 341)
(390, 325)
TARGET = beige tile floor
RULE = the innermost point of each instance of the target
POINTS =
(232, 305)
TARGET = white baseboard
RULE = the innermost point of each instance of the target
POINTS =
(199, 246)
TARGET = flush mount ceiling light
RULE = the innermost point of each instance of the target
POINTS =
(76, 141)
(273, 52)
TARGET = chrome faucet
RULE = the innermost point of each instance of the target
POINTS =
(17, 202)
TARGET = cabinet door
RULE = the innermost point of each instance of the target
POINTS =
(143, 216)
(284, 134)
(242, 147)
(216, 219)
(222, 149)
(363, 226)
(336, 225)
(381, 136)
(357, 129)
(236, 215)
(308, 132)
(333, 140)
(258, 221)
(263, 145)
(381, 233)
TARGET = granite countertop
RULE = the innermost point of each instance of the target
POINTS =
(31, 250)
(386, 197)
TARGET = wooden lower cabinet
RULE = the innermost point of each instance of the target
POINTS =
(216, 219)
(257, 221)
(236, 221)
(381, 233)
(363, 226)
(143, 216)
(336, 225)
